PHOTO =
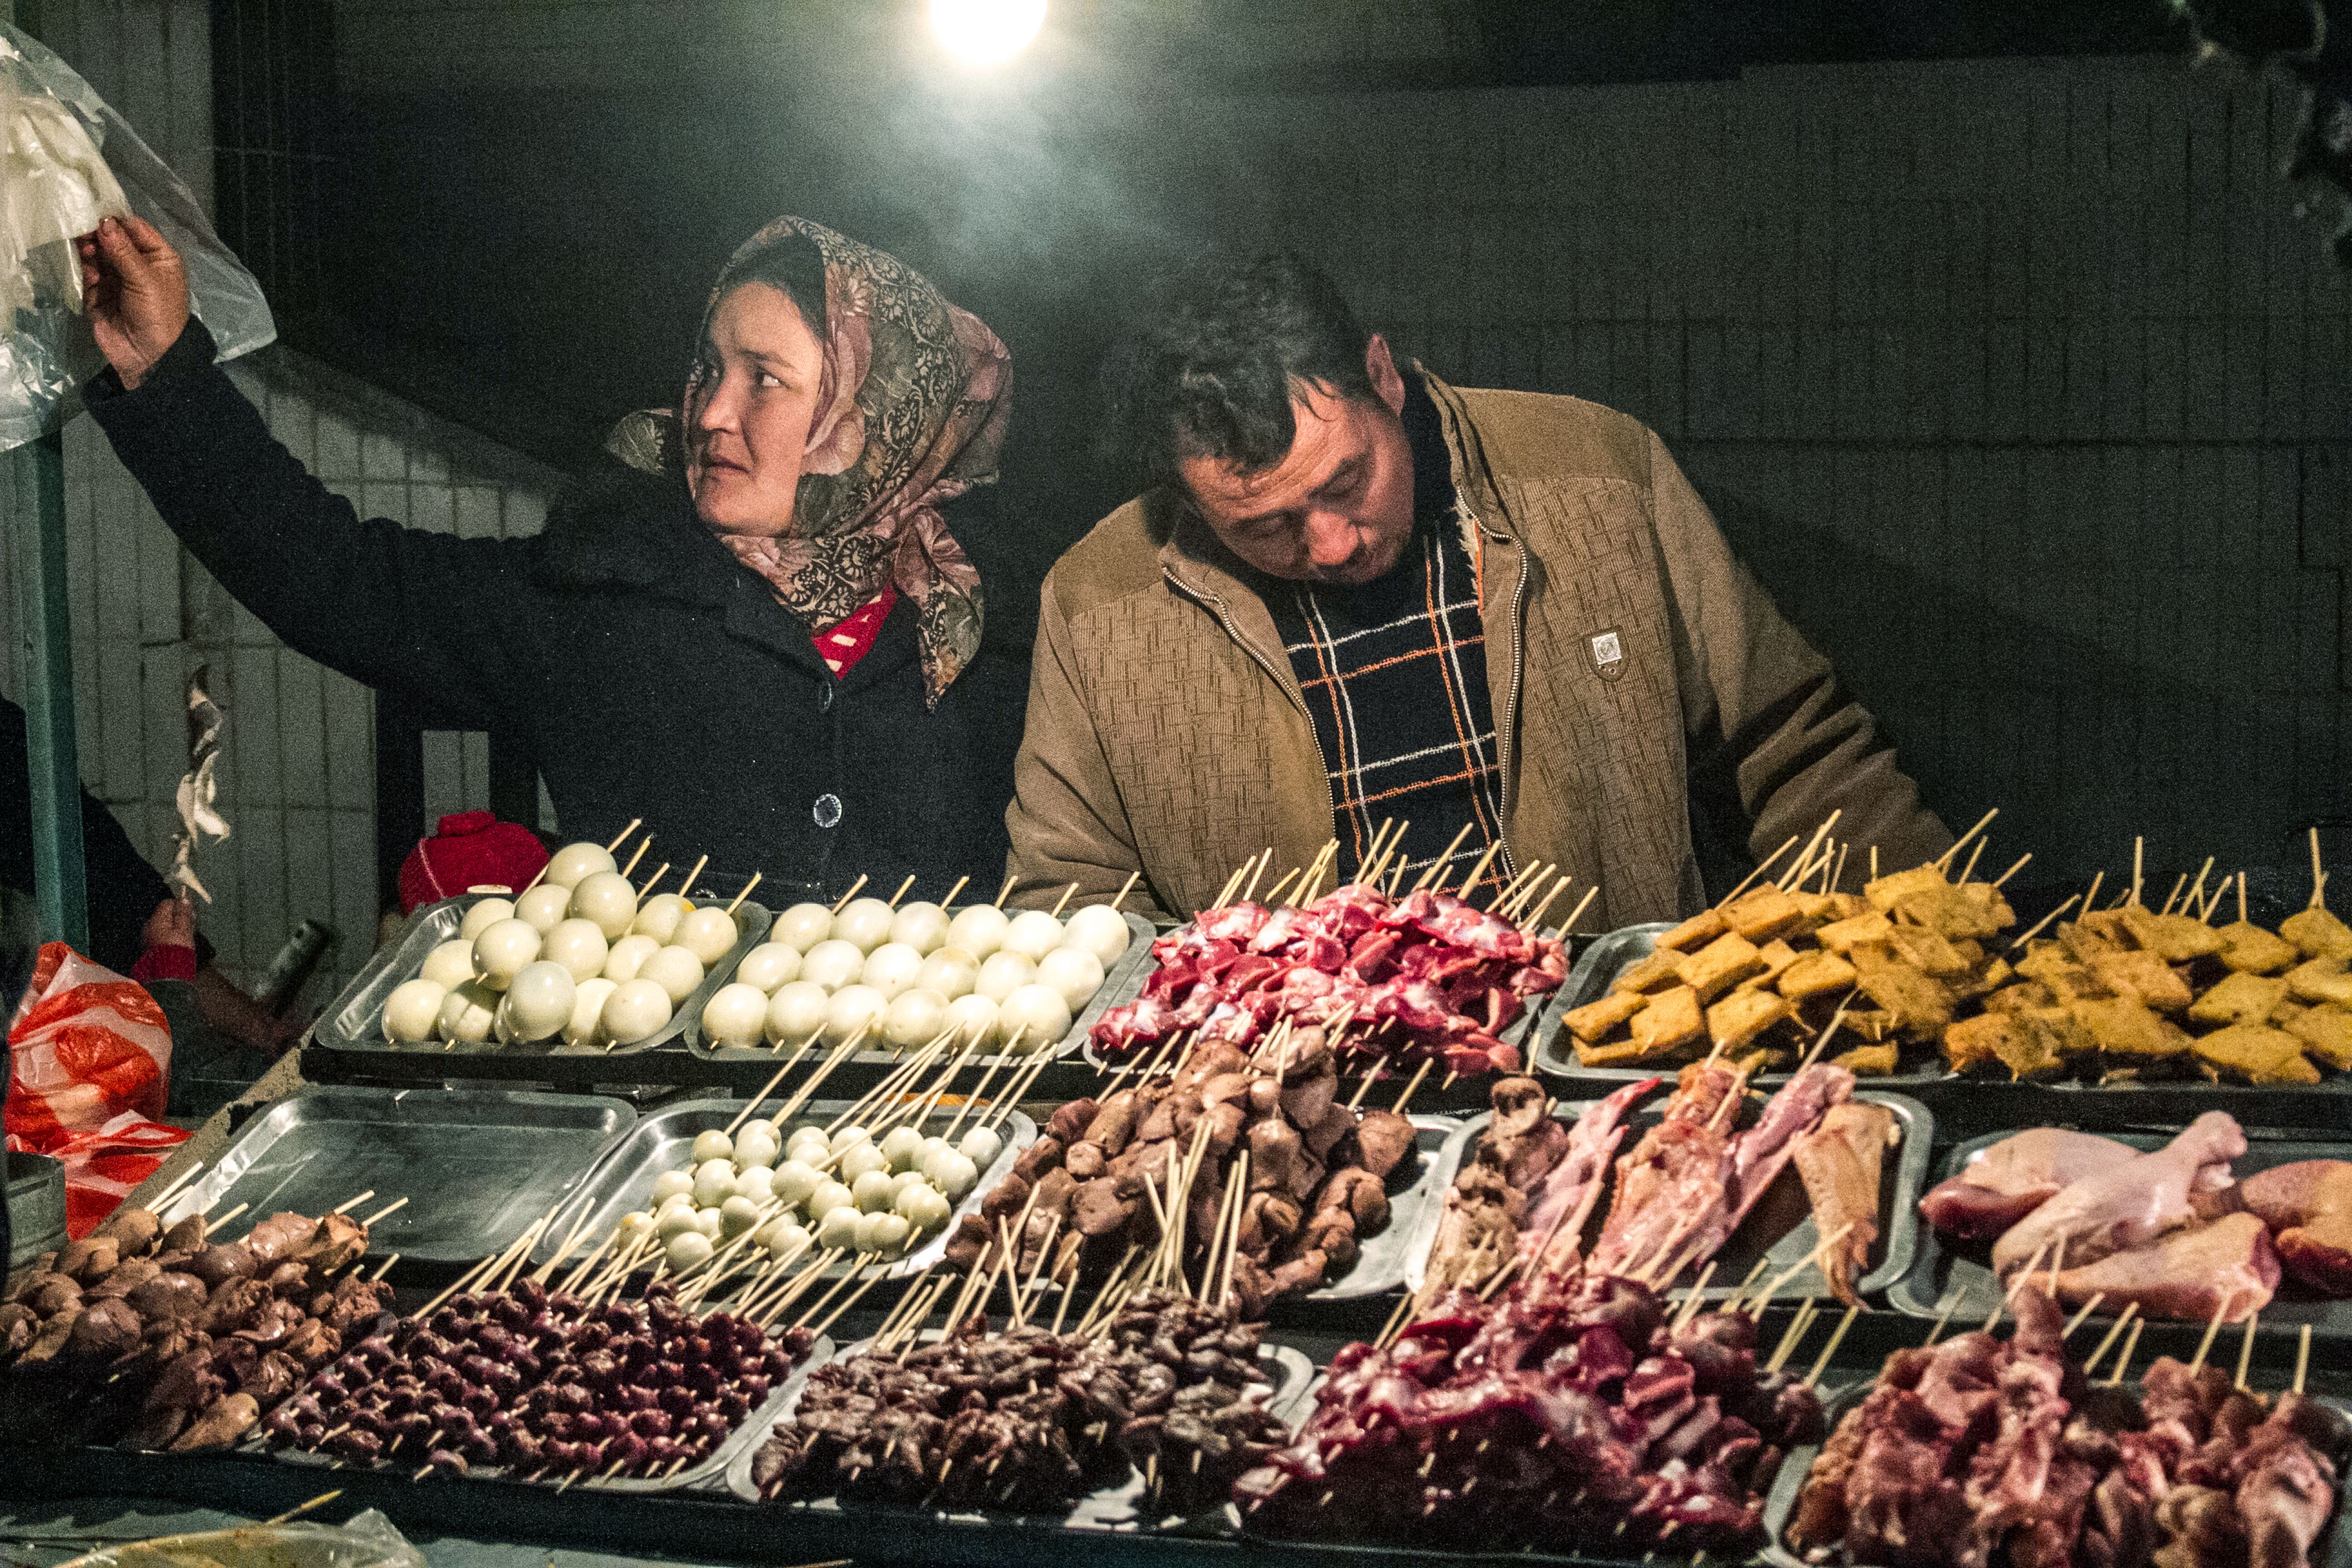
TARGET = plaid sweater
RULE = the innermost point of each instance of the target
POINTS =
(1394, 674)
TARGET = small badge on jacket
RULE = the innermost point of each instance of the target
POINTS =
(1608, 654)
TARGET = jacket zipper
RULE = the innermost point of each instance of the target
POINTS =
(1519, 668)
(1217, 607)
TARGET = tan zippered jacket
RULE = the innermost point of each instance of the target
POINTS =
(1166, 732)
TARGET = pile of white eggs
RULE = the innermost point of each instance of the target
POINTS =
(908, 974)
(576, 954)
(837, 1190)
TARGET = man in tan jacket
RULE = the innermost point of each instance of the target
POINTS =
(1350, 593)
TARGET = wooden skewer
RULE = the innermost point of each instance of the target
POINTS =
(1793, 1335)
(1732, 1304)
(1273, 894)
(1436, 872)
(1478, 869)
(1124, 889)
(2139, 856)
(2115, 1330)
(1265, 859)
(1004, 892)
(350, 1203)
(1575, 914)
(1821, 1362)
(377, 1277)
(1951, 1305)
(211, 1223)
(1398, 1108)
(2319, 877)
(1063, 902)
(2174, 896)
(1944, 862)
(378, 1217)
(2124, 1360)
(2075, 1321)
(1804, 857)
(2241, 898)
(853, 887)
(2035, 929)
(1761, 867)
(622, 838)
(653, 881)
(2302, 1350)
(901, 893)
(745, 893)
(1970, 868)
(685, 888)
(951, 899)
(2246, 1350)
(2014, 870)
(766, 1089)
(1809, 1260)
(2206, 1344)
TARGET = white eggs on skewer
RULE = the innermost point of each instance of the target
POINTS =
(688, 1249)
(802, 926)
(922, 926)
(501, 951)
(627, 956)
(1101, 930)
(890, 968)
(1036, 1014)
(450, 962)
(578, 945)
(588, 999)
(482, 916)
(981, 1145)
(852, 1008)
(708, 933)
(469, 1013)
(769, 965)
(915, 1017)
(950, 971)
(796, 1011)
(1032, 934)
(837, 1228)
(636, 1010)
(832, 963)
(575, 863)
(542, 906)
(670, 1184)
(538, 1002)
(658, 917)
(901, 1147)
(735, 1015)
(865, 921)
(674, 969)
(979, 931)
(711, 1145)
(411, 1010)
(1003, 974)
(1072, 971)
(925, 1207)
(973, 1019)
(608, 899)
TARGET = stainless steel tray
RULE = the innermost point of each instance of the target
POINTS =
(1121, 983)
(476, 1165)
(623, 1179)
(1597, 967)
(2333, 1550)
(1944, 1268)
(1519, 1031)
(1112, 1508)
(36, 1207)
(1792, 1243)
(354, 1020)
(1416, 1196)
(704, 1476)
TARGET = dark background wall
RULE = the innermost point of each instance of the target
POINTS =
(1989, 329)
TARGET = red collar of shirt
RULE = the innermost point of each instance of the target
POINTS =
(842, 645)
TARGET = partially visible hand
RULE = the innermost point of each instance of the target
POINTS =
(174, 924)
(136, 290)
(241, 1018)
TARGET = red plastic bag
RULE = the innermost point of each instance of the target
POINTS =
(90, 1057)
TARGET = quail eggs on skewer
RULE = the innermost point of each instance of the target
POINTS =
(484, 915)
(922, 926)
(501, 951)
(1100, 930)
(1032, 934)
(708, 933)
(802, 926)
(450, 963)
(658, 917)
(575, 863)
(608, 899)
(543, 906)
(411, 1010)
(627, 956)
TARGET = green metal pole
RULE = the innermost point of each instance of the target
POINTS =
(38, 514)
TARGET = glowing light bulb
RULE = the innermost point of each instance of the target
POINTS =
(984, 32)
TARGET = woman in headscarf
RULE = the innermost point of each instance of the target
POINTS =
(757, 627)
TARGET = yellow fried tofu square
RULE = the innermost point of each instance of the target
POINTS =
(2083, 941)
(1951, 912)
(2238, 999)
(2325, 1034)
(1815, 909)
(2257, 1053)
(1815, 974)
(1777, 956)
(2320, 980)
(1701, 927)
(2110, 926)
(1719, 966)
(1928, 951)
(1615, 1054)
(2057, 968)
(1599, 1020)
(2316, 933)
(1917, 1002)
(2124, 1027)
(2248, 948)
(2065, 1036)
(1888, 891)
(1653, 971)
(1764, 913)
(2144, 975)
(1673, 1018)
(1743, 1014)
(1840, 936)
(2017, 998)
(1868, 1061)
(1989, 1040)
(2176, 938)
(1984, 977)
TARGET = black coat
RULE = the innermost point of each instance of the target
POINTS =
(647, 671)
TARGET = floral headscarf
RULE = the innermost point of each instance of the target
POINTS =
(911, 410)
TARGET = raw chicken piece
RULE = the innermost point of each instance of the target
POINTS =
(2125, 1203)
(2308, 1206)
(2228, 1266)
(1839, 1162)
(2002, 1184)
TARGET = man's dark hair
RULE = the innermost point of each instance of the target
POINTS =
(1212, 369)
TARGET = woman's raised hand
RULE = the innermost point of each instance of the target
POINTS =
(136, 292)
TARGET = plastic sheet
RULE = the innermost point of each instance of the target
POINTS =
(367, 1540)
(66, 161)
